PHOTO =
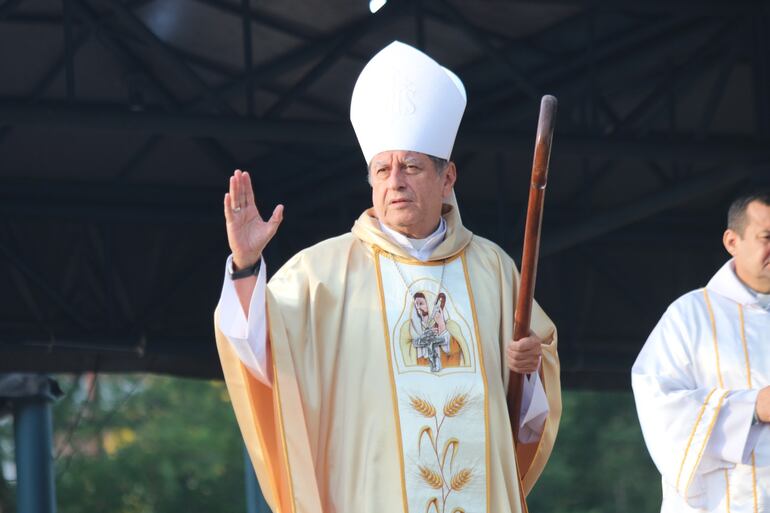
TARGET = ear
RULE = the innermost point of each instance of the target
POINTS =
(450, 177)
(730, 241)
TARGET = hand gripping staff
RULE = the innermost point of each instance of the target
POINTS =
(523, 313)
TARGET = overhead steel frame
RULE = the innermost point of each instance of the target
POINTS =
(606, 55)
(304, 33)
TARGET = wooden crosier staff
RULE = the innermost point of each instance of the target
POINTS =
(523, 313)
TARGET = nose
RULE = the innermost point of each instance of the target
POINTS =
(396, 178)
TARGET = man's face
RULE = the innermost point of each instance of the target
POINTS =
(407, 191)
(421, 305)
(752, 250)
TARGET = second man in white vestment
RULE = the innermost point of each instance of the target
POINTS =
(701, 380)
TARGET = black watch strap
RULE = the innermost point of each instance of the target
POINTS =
(246, 272)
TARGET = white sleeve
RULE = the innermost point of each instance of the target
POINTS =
(732, 438)
(534, 409)
(248, 337)
(685, 418)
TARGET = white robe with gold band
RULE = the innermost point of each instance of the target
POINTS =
(352, 423)
(695, 383)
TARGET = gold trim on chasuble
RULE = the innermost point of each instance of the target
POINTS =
(438, 383)
(282, 436)
(742, 324)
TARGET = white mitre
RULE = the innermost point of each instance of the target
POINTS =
(404, 100)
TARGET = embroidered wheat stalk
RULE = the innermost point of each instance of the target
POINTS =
(422, 407)
(431, 478)
(425, 430)
(455, 405)
(461, 479)
(433, 502)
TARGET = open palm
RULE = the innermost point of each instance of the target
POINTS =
(247, 232)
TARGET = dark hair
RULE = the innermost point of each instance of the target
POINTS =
(418, 294)
(736, 215)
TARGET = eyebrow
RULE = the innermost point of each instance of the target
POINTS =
(407, 160)
(379, 163)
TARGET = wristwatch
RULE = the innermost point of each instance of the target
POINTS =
(244, 273)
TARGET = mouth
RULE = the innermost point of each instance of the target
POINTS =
(399, 202)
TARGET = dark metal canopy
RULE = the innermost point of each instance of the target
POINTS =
(120, 121)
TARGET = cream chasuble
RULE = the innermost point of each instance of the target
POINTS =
(388, 379)
(695, 384)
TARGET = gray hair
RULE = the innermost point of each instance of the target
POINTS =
(441, 164)
(736, 215)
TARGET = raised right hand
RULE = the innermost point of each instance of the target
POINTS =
(247, 232)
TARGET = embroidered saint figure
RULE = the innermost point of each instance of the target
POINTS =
(430, 338)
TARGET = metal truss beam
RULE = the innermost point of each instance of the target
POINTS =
(344, 41)
(725, 69)
(265, 18)
(116, 118)
(8, 254)
(288, 26)
(128, 61)
(631, 212)
(44, 19)
(57, 20)
(49, 76)
(760, 44)
(679, 79)
(25, 293)
(168, 297)
(69, 54)
(248, 61)
(108, 203)
(518, 77)
(71, 47)
(125, 15)
(117, 305)
(615, 41)
(231, 73)
(716, 8)
(613, 58)
(300, 56)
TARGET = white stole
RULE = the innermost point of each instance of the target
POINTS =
(441, 411)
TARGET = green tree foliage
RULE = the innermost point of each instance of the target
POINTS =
(146, 444)
(600, 463)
